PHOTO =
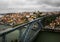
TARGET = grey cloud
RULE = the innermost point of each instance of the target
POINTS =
(27, 2)
(5, 4)
(55, 3)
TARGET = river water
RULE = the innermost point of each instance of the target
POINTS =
(48, 37)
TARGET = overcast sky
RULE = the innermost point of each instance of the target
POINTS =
(8, 5)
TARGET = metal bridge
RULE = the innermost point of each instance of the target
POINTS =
(32, 28)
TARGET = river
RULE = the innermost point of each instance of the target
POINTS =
(48, 37)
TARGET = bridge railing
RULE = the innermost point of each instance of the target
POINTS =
(23, 37)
